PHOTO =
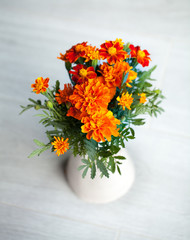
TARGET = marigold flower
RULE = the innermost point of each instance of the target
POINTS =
(142, 56)
(113, 74)
(74, 53)
(82, 73)
(100, 126)
(60, 145)
(132, 75)
(142, 97)
(124, 67)
(125, 101)
(76, 113)
(40, 85)
(113, 51)
(63, 95)
(91, 53)
(111, 80)
(90, 97)
(111, 89)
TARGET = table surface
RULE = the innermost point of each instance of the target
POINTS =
(35, 200)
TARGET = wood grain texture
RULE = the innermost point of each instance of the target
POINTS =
(18, 223)
(36, 202)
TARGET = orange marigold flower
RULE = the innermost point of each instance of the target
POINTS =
(142, 56)
(60, 145)
(63, 95)
(76, 113)
(74, 53)
(90, 97)
(113, 74)
(142, 97)
(91, 53)
(100, 126)
(111, 89)
(124, 67)
(132, 75)
(40, 85)
(82, 73)
(125, 101)
(113, 51)
(111, 80)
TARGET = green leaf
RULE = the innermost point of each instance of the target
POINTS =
(114, 149)
(120, 157)
(85, 161)
(132, 132)
(125, 78)
(122, 142)
(35, 152)
(33, 101)
(112, 163)
(118, 169)
(40, 115)
(37, 142)
(25, 108)
(147, 84)
(94, 63)
(102, 168)
(68, 66)
(57, 86)
(138, 121)
(85, 172)
(91, 146)
(104, 154)
(93, 170)
(81, 167)
(131, 137)
(39, 151)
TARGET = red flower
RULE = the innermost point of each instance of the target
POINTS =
(74, 53)
(82, 73)
(113, 51)
(142, 56)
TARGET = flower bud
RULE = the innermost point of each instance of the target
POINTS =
(37, 107)
(49, 105)
(68, 105)
(123, 118)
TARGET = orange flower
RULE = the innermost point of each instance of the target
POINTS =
(74, 53)
(113, 75)
(90, 97)
(111, 80)
(142, 97)
(40, 85)
(76, 113)
(132, 75)
(63, 95)
(60, 145)
(125, 101)
(100, 126)
(142, 56)
(82, 73)
(113, 51)
(111, 89)
(91, 53)
(124, 67)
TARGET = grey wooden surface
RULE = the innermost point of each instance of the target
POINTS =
(35, 201)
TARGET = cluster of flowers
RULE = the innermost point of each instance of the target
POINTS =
(98, 77)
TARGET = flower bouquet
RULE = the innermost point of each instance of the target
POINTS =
(94, 114)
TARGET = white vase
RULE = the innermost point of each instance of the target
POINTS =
(100, 190)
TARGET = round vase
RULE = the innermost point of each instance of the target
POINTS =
(100, 190)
